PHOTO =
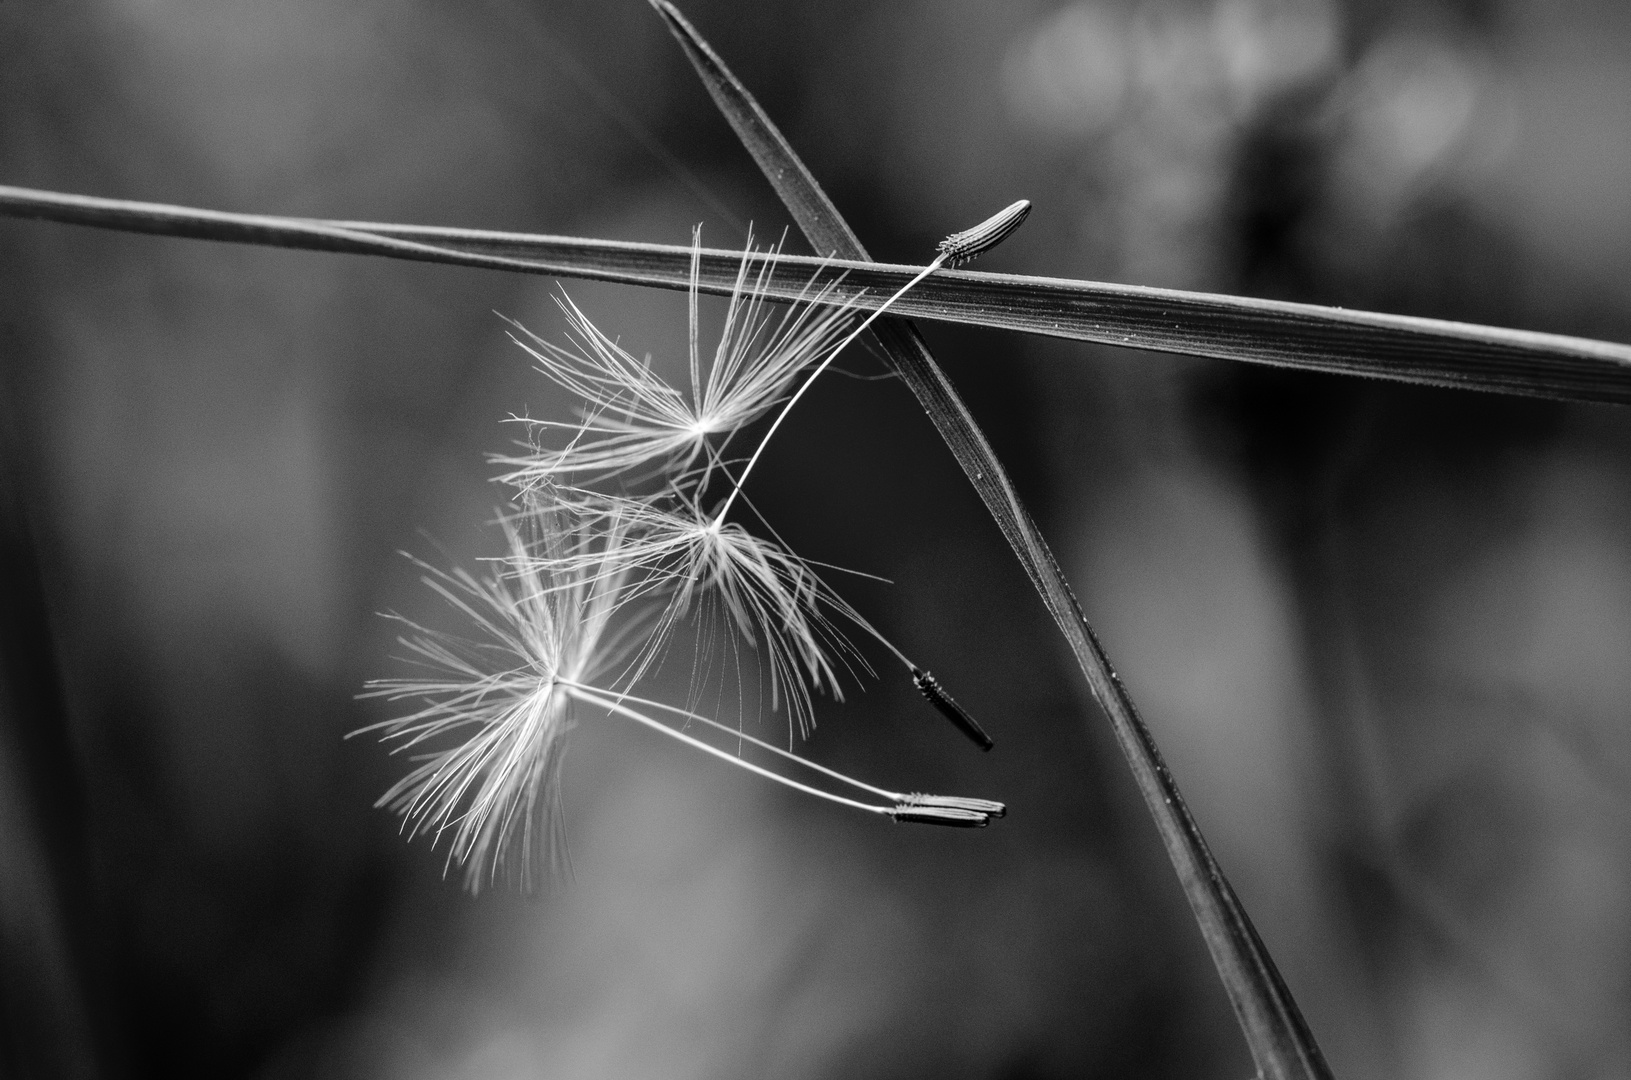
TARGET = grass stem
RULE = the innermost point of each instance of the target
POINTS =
(1304, 337)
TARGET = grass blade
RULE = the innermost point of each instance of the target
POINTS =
(162, 219)
(1280, 1041)
(1301, 336)
(1306, 337)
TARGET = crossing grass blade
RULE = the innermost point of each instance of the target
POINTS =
(1280, 1041)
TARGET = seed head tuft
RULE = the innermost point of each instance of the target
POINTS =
(494, 709)
(633, 420)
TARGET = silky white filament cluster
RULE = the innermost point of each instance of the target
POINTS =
(497, 701)
(617, 535)
(633, 419)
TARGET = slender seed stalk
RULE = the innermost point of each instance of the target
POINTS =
(614, 705)
(901, 800)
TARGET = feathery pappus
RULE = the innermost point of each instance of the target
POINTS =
(633, 421)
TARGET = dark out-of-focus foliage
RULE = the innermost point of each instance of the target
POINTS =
(1382, 633)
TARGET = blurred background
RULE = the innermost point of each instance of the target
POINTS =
(1383, 634)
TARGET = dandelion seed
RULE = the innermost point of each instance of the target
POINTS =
(957, 802)
(547, 643)
(965, 246)
(955, 816)
(947, 706)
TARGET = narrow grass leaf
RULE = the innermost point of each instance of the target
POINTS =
(1280, 1041)
(1277, 333)
(1306, 337)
